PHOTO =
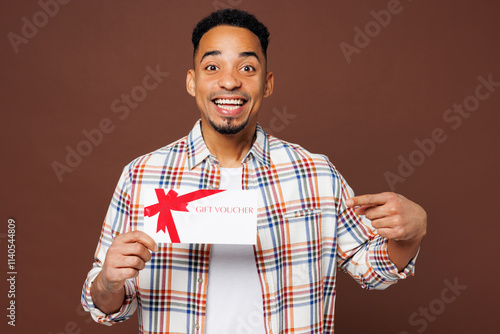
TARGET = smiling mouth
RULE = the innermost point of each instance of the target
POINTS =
(229, 104)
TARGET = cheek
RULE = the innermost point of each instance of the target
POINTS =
(203, 88)
(255, 88)
(201, 103)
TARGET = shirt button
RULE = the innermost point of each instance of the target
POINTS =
(200, 280)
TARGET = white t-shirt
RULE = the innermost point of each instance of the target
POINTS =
(234, 296)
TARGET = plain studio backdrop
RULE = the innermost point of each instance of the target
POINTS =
(401, 95)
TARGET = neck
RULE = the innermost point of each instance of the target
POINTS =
(229, 149)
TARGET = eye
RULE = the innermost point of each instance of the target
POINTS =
(211, 68)
(248, 68)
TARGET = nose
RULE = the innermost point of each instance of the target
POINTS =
(229, 80)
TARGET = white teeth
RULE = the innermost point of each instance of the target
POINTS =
(229, 101)
(226, 107)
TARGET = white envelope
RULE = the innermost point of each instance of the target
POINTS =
(200, 216)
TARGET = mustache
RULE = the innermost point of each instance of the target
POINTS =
(229, 93)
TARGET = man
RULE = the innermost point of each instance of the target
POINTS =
(307, 223)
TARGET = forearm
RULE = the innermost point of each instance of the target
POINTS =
(107, 301)
(401, 252)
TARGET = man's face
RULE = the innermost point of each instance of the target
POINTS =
(229, 79)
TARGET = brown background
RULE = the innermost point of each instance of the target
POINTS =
(363, 115)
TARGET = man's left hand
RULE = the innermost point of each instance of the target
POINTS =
(394, 216)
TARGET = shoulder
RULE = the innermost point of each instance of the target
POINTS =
(292, 161)
(157, 158)
(282, 151)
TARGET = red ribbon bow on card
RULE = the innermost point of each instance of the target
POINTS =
(169, 202)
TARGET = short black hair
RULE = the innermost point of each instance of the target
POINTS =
(235, 18)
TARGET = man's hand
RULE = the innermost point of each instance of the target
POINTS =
(396, 218)
(126, 256)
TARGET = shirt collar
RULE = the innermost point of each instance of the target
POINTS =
(197, 150)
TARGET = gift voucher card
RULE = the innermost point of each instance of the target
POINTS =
(201, 216)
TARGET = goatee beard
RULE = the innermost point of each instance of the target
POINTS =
(227, 128)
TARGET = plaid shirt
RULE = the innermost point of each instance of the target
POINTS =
(305, 232)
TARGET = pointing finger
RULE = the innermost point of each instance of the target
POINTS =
(367, 200)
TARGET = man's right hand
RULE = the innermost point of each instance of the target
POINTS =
(126, 256)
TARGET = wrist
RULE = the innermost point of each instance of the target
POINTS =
(105, 286)
(408, 242)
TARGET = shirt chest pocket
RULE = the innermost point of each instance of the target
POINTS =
(301, 213)
(301, 256)
(301, 226)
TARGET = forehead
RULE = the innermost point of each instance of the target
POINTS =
(229, 39)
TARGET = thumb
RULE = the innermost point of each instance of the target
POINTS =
(361, 210)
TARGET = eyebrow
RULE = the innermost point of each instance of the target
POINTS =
(249, 54)
(241, 55)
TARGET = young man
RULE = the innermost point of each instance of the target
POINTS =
(308, 226)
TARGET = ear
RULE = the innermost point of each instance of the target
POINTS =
(190, 83)
(269, 87)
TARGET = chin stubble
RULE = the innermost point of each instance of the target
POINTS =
(228, 128)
